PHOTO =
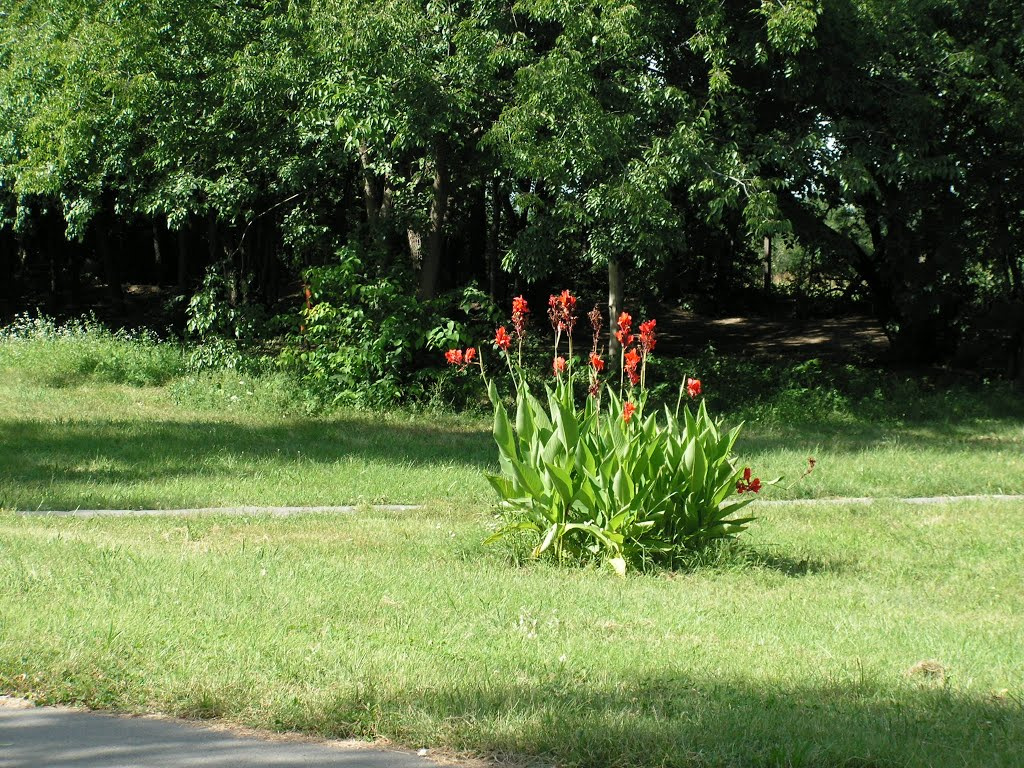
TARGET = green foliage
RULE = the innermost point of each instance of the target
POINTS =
(357, 337)
(631, 492)
(77, 352)
(883, 140)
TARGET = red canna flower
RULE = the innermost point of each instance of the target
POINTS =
(596, 362)
(559, 365)
(627, 412)
(693, 387)
(746, 484)
(632, 360)
(625, 324)
(501, 339)
(520, 309)
(453, 356)
(562, 311)
(647, 339)
(470, 355)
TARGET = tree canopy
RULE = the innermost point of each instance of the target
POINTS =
(231, 146)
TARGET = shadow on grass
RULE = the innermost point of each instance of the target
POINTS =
(984, 436)
(43, 460)
(677, 721)
(105, 453)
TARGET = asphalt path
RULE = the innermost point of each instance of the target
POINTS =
(59, 737)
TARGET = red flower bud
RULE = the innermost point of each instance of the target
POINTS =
(559, 365)
(647, 339)
(596, 362)
(627, 412)
(693, 387)
(453, 356)
(470, 355)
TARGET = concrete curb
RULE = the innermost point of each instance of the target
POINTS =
(867, 500)
(350, 509)
(200, 511)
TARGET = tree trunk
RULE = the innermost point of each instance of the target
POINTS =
(372, 189)
(8, 261)
(158, 258)
(430, 266)
(1013, 266)
(415, 247)
(74, 280)
(614, 309)
(110, 270)
(211, 237)
(493, 233)
(182, 261)
(767, 264)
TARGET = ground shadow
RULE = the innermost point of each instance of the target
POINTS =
(110, 452)
(675, 720)
(105, 453)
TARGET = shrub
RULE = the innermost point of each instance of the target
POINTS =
(610, 483)
(362, 332)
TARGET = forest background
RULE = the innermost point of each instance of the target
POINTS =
(348, 187)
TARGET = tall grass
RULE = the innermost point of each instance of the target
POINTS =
(59, 355)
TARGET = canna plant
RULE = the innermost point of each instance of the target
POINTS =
(606, 480)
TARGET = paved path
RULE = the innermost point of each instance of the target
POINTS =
(911, 500)
(232, 511)
(288, 511)
(57, 737)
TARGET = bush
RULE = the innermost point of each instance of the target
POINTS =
(360, 336)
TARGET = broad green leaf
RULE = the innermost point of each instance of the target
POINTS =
(503, 435)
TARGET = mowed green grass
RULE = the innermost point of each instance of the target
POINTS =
(800, 649)
(100, 445)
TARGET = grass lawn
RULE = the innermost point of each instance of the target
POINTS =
(802, 647)
(798, 651)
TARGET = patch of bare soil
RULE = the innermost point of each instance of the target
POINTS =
(840, 339)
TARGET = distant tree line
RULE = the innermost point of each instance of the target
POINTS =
(232, 146)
